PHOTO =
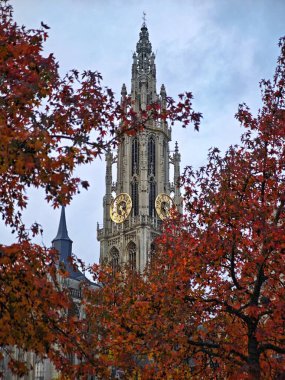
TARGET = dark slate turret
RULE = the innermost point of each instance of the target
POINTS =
(63, 244)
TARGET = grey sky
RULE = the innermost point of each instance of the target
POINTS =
(218, 49)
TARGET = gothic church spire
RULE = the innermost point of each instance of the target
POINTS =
(142, 171)
(144, 49)
(143, 71)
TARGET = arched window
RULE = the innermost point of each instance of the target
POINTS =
(151, 204)
(39, 370)
(151, 156)
(135, 156)
(114, 259)
(132, 251)
(135, 197)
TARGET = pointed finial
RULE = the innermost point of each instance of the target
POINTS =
(108, 154)
(162, 90)
(124, 90)
(144, 19)
(176, 147)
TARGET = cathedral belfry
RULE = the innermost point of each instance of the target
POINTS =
(135, 205)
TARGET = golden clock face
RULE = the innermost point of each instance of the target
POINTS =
(163, 204)
(120, 208)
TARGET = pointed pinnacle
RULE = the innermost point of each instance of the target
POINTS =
(62, 233)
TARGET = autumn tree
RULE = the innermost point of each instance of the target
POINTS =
(49, 125)
(212, 302)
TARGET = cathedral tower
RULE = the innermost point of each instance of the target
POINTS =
(135, 205)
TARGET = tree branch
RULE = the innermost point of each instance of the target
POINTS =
(273, 347)
(232, 268)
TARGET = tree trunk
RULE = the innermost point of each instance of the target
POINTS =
(253, 358)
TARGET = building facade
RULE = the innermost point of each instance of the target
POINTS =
(43, 369)
(141, 197)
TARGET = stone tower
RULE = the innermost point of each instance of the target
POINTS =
(135, 205)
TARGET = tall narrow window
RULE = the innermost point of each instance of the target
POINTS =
(114, 259)
(151, 254)
(165, 160)
(151, 156)
(132, 255)
(135, 197)
(39, 370)
(151, 204)
(135, 156)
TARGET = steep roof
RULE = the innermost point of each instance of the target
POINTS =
(63, 244)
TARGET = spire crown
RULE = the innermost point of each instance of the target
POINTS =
(144, 46)
(143, 90)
